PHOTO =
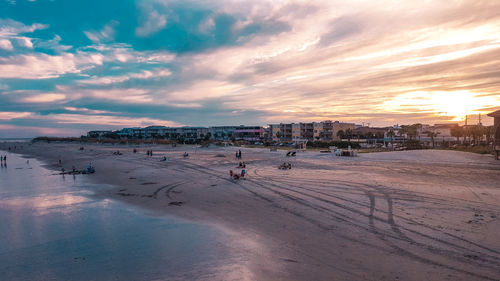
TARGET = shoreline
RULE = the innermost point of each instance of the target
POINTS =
(325, 218)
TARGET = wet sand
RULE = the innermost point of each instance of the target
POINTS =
(409, 215)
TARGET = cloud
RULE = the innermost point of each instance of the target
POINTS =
(145, 74)
(153, 23)
(43, 66)
(9, 27)
(13, 115)
(216, 62)
(44, 98)
(25, 41)
(6, 45)
(107, 120)
(52, 44)
(106, 34)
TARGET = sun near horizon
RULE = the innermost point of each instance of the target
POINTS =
(67, 69)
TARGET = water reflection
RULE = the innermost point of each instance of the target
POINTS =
(53, 228)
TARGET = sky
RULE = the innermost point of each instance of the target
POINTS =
(67, 67)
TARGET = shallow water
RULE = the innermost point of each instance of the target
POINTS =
(53, 228)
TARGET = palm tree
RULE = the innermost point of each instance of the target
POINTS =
(391, 134)
(348, 134)
(431, 135)
(278, 135)
(476, 132)
(404, 130)
(457, 132)
(340, 134)
(488, 131)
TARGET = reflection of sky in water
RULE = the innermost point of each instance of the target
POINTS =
(52, 228)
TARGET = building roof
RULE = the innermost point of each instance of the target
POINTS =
(445, 125)
(494, 114)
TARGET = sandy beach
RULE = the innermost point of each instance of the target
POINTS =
(408, 215)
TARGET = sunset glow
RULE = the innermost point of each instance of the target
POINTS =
(452, 105)
(205, 63)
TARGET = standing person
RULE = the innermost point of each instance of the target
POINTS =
(239, 152)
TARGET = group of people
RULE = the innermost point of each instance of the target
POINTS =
(237, 176)
(117, 152)
(242, 165)
(149, 152)
(3, 160)
(285, 166)
(238, 154)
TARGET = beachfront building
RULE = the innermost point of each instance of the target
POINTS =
(155, 131)
(439, 134)
(496, 131)
(311, 131)
(444, 131)
(221, 133)
(249, 133)
(329, 131)
(127, 132)
(370, 133)
(192, 133)
(317, 130)
(274, 133)
(285, 133)
(340, 126)
(98, 134)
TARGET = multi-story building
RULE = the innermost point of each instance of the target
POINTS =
(370, 133)
(192, 133)
(221, 132)
(98, 134)
(317, 130)
(496, 131)
(127, 132)
(340, 126)
(274, 132)
(328, 130)
(155, 131)
(285, 132)
(249, 133)
(444, 130)
(302, 131)
(314, 131)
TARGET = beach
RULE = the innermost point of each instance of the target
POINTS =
(406, 215)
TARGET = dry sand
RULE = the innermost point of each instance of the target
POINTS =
(409, 215)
